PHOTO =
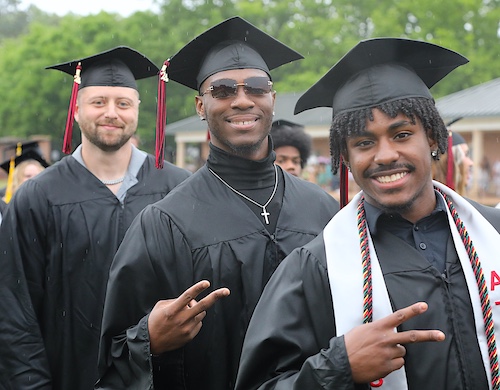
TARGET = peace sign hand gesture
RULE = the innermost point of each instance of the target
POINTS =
(174, 322)
(375, 349)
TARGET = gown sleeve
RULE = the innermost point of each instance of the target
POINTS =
(125, 361)
(290, 342)
(23, 360)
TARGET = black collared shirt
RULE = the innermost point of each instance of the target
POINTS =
(428, 235)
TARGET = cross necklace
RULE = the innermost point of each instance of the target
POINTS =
(264, 213)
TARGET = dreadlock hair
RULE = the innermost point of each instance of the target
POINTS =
(352, 123)
(285, 135)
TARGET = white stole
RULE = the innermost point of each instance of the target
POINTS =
(343, 256)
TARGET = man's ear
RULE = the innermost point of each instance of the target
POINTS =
(200, 106)
(75, 114)
(433, 144)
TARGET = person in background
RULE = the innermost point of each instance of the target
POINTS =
(485, 176)
(25, 164)
(223, 231)
(24, 171)
(400, 290)
(73, 216)
(292, 146)
(456, 175)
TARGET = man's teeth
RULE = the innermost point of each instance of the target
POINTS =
(391, 178)
(242, 123)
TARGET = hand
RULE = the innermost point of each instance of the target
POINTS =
(174, 322)
(375, 350)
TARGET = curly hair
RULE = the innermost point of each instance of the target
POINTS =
(348, 124)
(285, 135)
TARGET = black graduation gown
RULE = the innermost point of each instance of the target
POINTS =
(64, 226)
(291, 341)
(3, 206)
(201, 230)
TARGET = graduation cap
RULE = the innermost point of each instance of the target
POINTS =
(23, 152)
(380, 70)
(285, 123)
(117, 67)
(377, 71)
(232, 44)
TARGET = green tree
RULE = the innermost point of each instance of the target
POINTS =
(35, 101)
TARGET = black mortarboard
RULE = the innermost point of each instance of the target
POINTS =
(117, 67)
(23, 147)
(284, 122)
(457, 139)
(23, 152)
(232, 44)
(30, 154)
(380, 70)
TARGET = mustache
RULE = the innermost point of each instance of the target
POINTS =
(112, 122)
(386, 168)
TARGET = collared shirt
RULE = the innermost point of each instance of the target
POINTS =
(136, 160)
(428, 235)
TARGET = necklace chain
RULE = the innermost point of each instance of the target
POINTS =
(264, 213)
(114, 181)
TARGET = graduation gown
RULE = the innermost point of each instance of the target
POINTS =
(201, 230)
(292, 343)
(3, 206)
(62, 232)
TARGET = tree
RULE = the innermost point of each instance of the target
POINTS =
(35, 101)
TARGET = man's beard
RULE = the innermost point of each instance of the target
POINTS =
(107, 147)
(398, 208)
(99, 141)
(393, 208)
(238, 150)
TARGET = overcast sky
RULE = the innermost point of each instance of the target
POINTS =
(86, 7)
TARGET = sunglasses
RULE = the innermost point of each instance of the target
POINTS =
(224, 88)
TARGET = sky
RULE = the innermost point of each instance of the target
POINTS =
(87, 7)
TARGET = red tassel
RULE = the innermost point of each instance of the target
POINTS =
(344, 184)
(161, 116)
(208, 135)
(450, 182)
(68, 131)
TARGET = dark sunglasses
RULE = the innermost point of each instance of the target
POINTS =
(224, 88)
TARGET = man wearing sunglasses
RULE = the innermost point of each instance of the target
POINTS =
(227, 227)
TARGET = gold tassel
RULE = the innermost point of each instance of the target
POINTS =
(10, 179)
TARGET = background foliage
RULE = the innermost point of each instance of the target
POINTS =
(34, 100)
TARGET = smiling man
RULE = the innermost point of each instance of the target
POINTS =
(398, 291)
(229, 225)
(64, 226)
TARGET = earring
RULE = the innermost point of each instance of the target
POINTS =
(434, 155)
(202, 118)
